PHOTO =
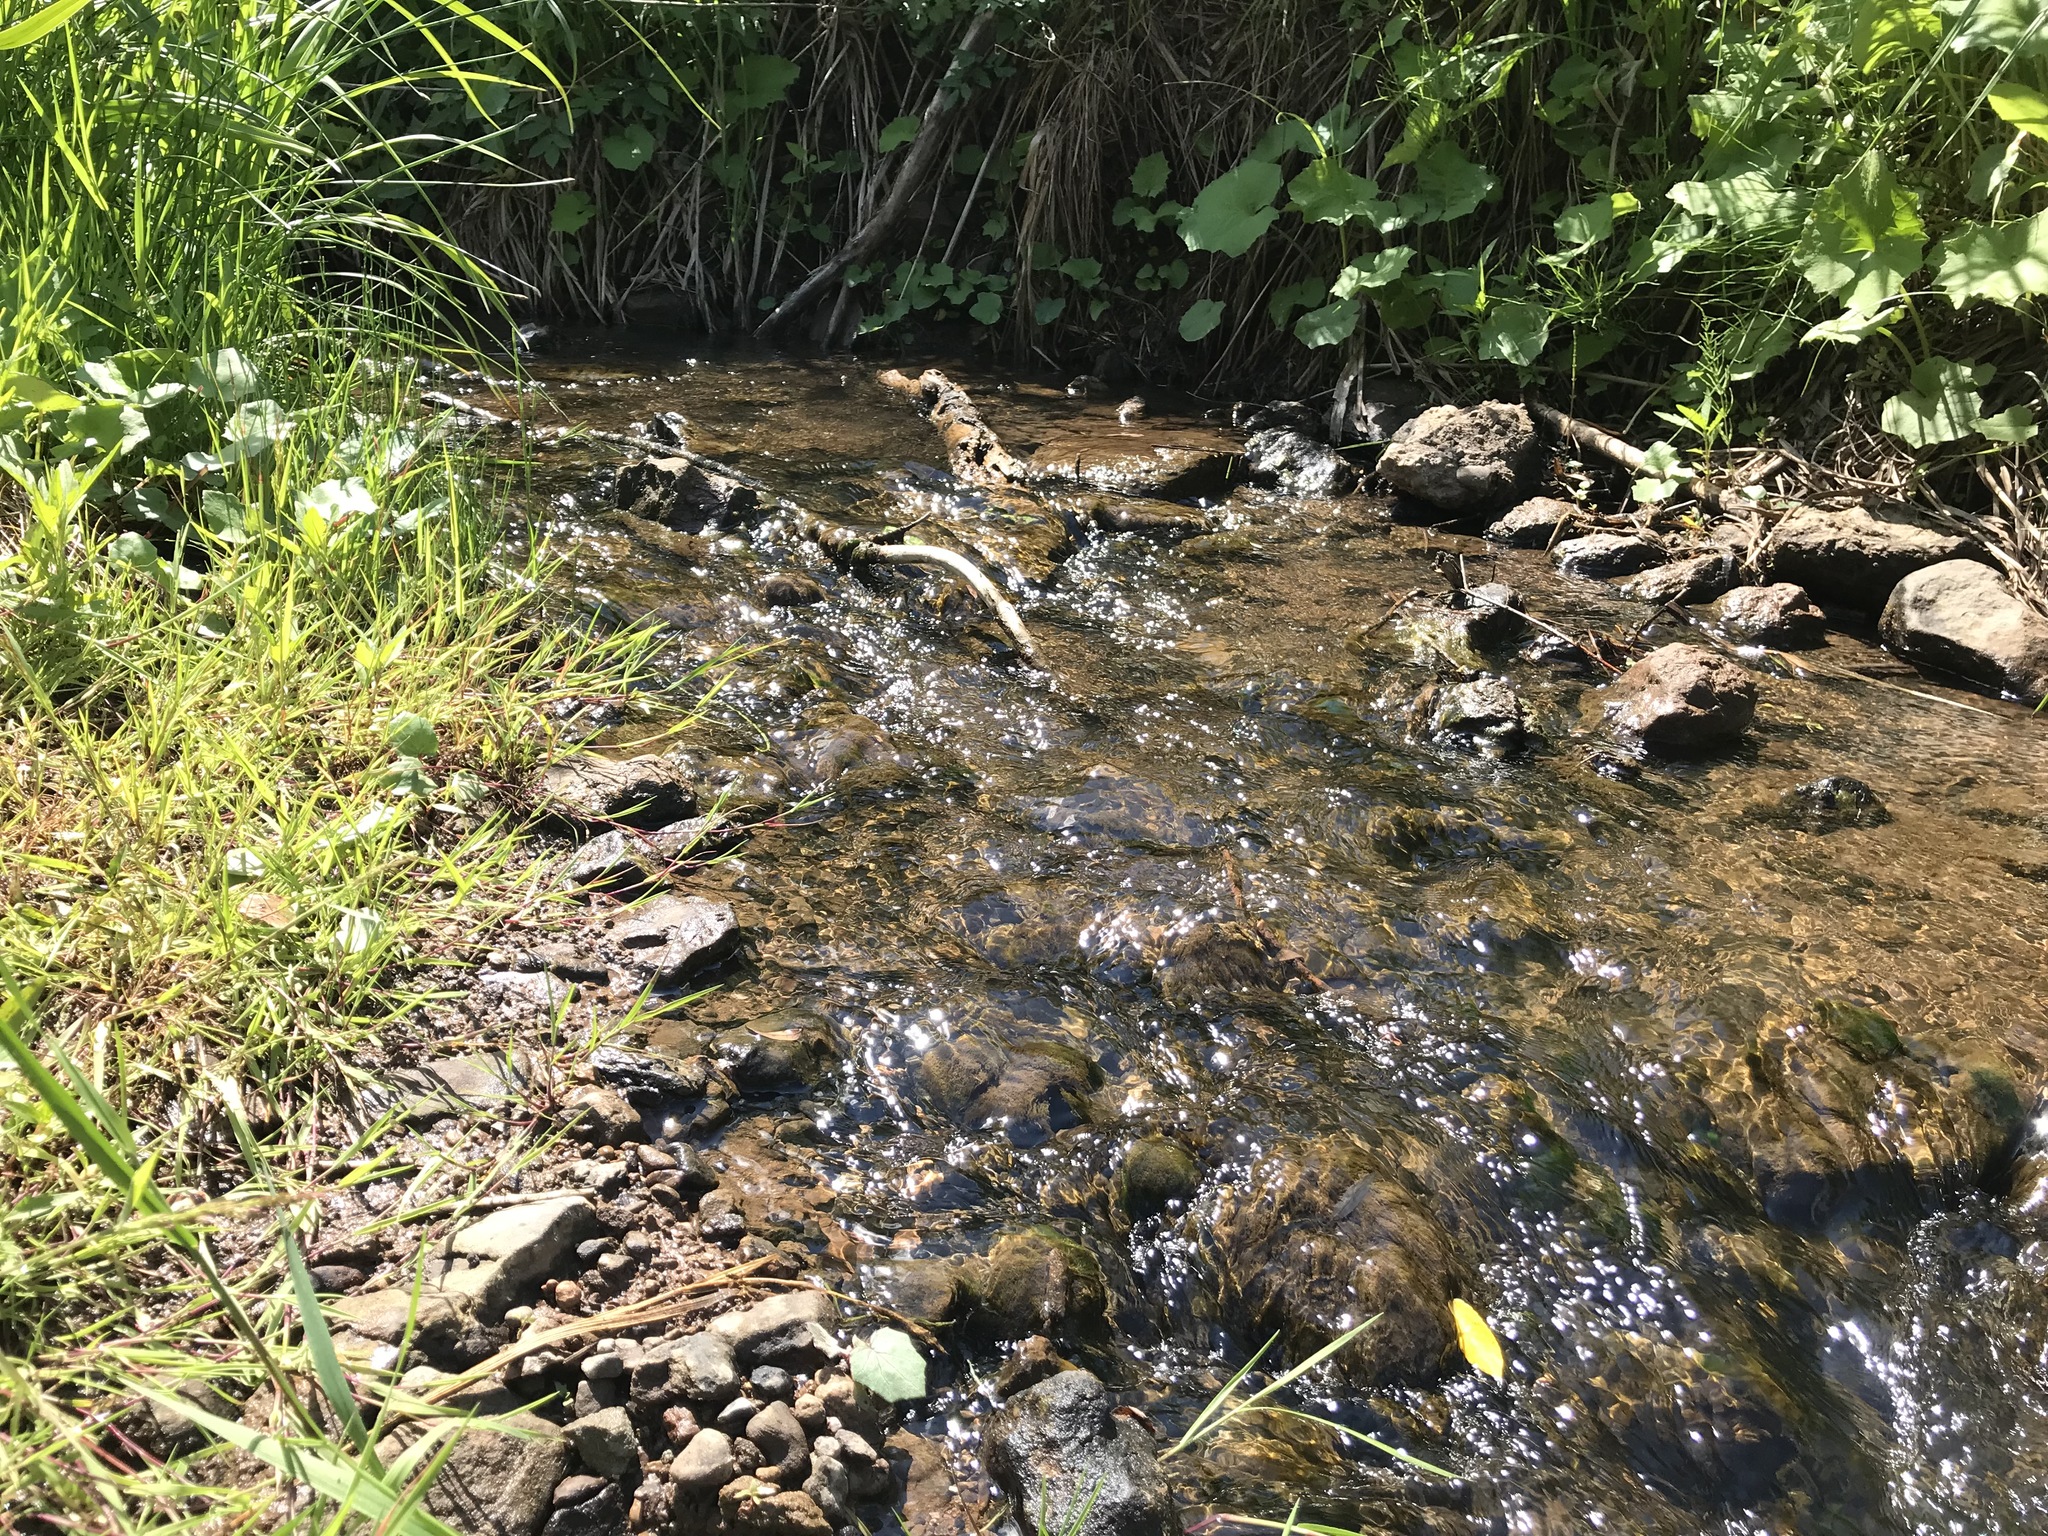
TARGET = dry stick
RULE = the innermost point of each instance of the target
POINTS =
(918, 164)
(977, 454)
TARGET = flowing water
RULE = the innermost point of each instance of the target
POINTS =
(1615, 1057)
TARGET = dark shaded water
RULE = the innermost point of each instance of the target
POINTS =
(1752, 1265)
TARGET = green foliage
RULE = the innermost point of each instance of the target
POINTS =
(888, 1364)
(1234, 210)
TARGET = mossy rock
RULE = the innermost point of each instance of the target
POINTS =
(1157, 1176)
(1862, 1031)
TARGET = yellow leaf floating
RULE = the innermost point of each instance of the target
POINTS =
(1477, 1340)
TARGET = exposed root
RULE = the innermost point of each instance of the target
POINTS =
(976, 453)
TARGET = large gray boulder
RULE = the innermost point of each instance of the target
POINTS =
(492, 1263)
(1058, 1450)
(670, 937)
(1781, 615)
(1700, 579)
(1606, 554)
(1961, 617)
(1856, 555)
(1464, 459)
(793, 1330)
(1681, 698)
(1537, 523)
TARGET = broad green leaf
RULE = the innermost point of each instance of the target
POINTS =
(336, 501)
(226, 378)
(887, 1363)
(1327, 326)
(1515, 332)
(2004, 26)
(987, 308)
(2015, 425)
(761, 80)
(224, 515)
(1852, 326)
(1662, 473)
(1748, 203)
(573, 210)
(1148, 177)
(355, 930)
(899, 132)
(1085, 270)
(2022, 106)
(1864, 237)
(407, 777)
(257, 422)
(1477, 1341)
(1944, 406)
(1326, 193)
(105, 426)
(1447, 185)
(1232, 211)
(1884, 29)
(1281, 306)
(1757, 341)
(1045, 311)
(1582, 224)
(1382, 268)
(37, 394)
(2000, 262)
(412, 735)
(630, 148)
(135, 550)
(1200, 318)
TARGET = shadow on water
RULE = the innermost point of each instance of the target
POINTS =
(1189, 950)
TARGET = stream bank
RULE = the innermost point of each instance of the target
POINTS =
(1342, 921)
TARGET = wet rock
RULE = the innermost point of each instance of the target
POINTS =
(1780, 615)
(1465, 460)
(1316, 1239)
(705, 1465)
(1026, 1095)
(1961, 617)
(649, 791)
(829, 1487)
(646, 1080)
(930, 1291)
(785, 1449)
(601, 1514)
(475, 1083)
(1032, 1361)
(1605, 554)
(1489, 615)
(495, 1484)
(574, 1490)
(734, 1417)
(1110, 806)
(1855, 555)
(682, 494)
(752, 1507)
(833, 742)
(1020, 539)
(1070, 1467)
(771, 1384)
(620, 860)
(1039, 1281)
(791, 589)
(598, 1115)
(1484, 715)
(1697, 580)
(1682, 698)
(1288, 460)
(1279, 415)
(1704, 1431)
(606, 1442)
(1141, 460)
(671, 937)
(775, 1053)
(792, 1330)
(1211, 958)
(1157, 1176)
(1835, 801)
(668, 427)
(1537, 523)
(495, 1261)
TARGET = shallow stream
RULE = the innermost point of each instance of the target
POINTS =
(1611, 1058)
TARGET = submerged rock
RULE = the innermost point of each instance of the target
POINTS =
(649, 791)
(1465, 459)
(1682, 698)
(1025, 1095)
(1605, 554)
(1961, 617)
(1111, 806)
(834, 741)
(1210, 957)
(1157, 1176)
(791, 589)
(1823, 805)
(1316, 1240)
(1038, 1281)
(1697, 580)
(1856, 555)
(1780, 615)
(1292, 462)
(1484, 715)
(1070, 1466)
(1537, 523)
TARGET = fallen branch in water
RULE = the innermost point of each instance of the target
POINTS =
(1604, 444)
(977, 454)
(852, 547)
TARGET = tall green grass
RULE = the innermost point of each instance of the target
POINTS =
(272, 667)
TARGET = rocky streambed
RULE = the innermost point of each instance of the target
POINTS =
(1400, 882)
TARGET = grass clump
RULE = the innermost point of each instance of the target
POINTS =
(270, 681)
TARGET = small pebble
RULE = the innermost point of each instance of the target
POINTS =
(678, 1425)
(735, 1415)
(568, 1295)
(589, 1252)
(577, 1489)
(518, 1317)
(638, 1245)
(772, 1383)
(603, 1367)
